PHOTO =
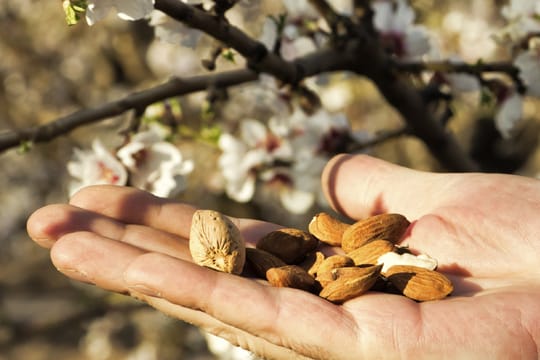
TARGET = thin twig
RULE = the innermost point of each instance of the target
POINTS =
(254, 51)
(477, 69)
(139, 100)
(381, 137)
(456, 67)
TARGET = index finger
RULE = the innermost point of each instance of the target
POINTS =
(359, 186)
(134, 206)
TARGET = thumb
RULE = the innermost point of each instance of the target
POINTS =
(359, 186)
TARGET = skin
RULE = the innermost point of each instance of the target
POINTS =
(482, 228)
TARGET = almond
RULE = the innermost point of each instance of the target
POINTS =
(418, 283)
(390, 227)
(332, 262)
(292, 276)
(215, 242)
(369, 253)
(312, 262)
(261, 261)
(289, 244)
(392, 259)
(350, 282)
(327, 229)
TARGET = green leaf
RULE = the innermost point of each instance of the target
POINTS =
(73, 10)
(207, 110)
(24, 147)
(487, 98)
(175, 107)
(211, 134)
(228, 55)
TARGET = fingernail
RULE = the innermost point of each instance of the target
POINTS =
(145, 290)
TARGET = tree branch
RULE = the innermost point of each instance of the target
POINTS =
(138, 100)
(360, 53)
(456, 66)
(375, 64)
(255, 52)
(477, 69)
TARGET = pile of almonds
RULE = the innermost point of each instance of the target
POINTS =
(290, 257)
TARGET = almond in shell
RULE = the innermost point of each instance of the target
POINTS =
(217, 243)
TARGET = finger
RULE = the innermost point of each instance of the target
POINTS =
(135, 206)
(267, 312)
(88, 257)
(235, 336)
(52, 222)
(359, 186)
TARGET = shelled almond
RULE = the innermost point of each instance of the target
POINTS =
(288, 257)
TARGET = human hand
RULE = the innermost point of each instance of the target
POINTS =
(483, 229)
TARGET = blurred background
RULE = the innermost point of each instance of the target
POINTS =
(48, 70)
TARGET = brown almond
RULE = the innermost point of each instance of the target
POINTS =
(330, 263)
(312, 262)
(261, 261)
(390, 227)
(289, 244)
(370, 252)
(292, 276)
(327, 229)
(418, 283)
(350, 282)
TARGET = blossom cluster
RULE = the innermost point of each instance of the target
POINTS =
(287, 153)
(147, 161)
(523, 18)
(409, 41)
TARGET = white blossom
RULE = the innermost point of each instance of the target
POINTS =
(518, 8)
(462, 83)
(128, 9)
(300, 9)
(155, 165)
(125, 9)
(97, 166)
(523, 17)
(235, 165)
(395, 22)
(528, 63)
(305, 187)
(509, 114)
(303, 8)
(257, 148)
(172, 31)
(286, 156)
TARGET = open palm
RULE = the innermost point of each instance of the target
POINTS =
(483, 229)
